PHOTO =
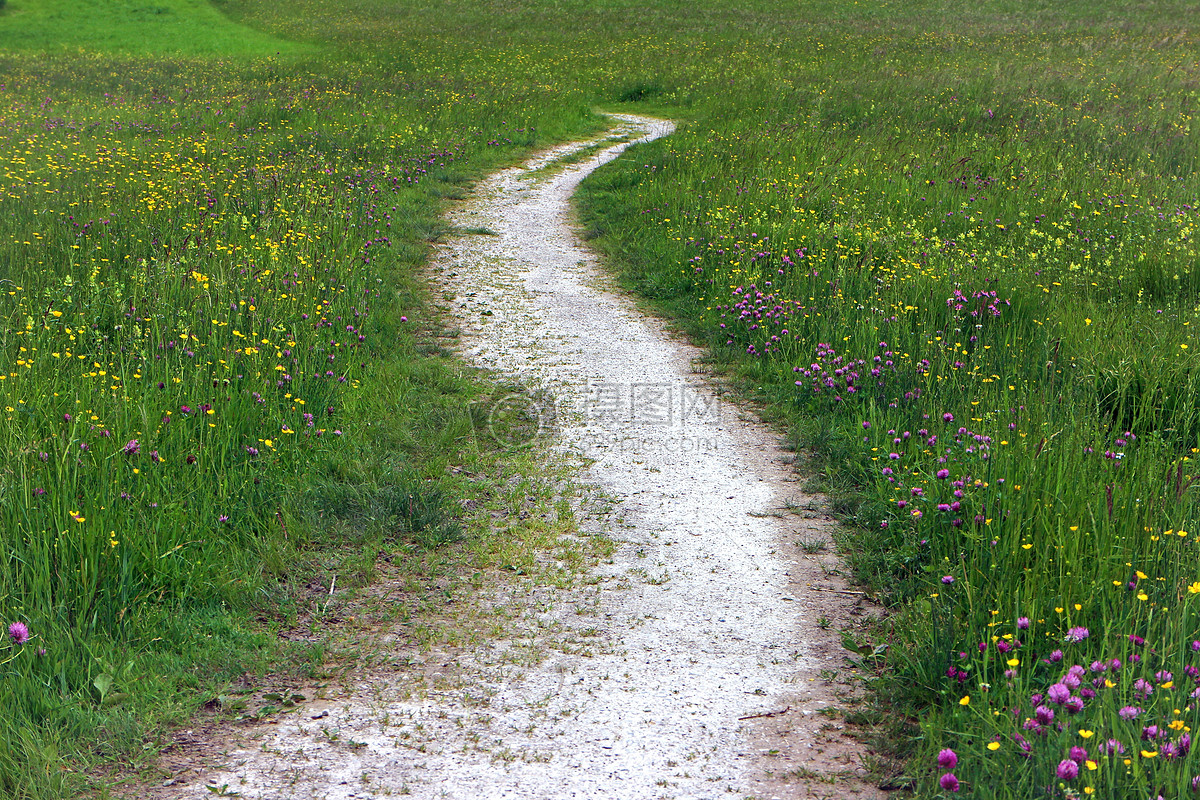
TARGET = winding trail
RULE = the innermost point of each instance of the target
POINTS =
(706, 615)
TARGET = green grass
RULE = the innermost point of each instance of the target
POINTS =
(222, 377)
(153, 27)
(962, 279)
(852, 181)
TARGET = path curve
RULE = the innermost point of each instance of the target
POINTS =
(707, 613)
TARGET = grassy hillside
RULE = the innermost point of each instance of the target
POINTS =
(222, 378)
(193, 27)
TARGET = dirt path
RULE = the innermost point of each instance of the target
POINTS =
(718, 604)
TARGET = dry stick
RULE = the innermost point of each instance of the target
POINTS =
(767, 714)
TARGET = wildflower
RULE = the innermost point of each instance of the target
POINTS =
(1129, 712)
(1068, 770)
(1023, 623)
(1078, 755)
(1044, 715)
(1058, 693)
(18, 632)
(131, 448)
(1142, 688)
(1076, 634)
(947, 759)
(942, 474)
(948, 782)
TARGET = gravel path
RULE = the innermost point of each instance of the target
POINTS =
(707, 613)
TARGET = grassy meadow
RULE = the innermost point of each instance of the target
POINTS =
(951, 249)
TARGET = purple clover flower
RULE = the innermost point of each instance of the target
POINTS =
(1076, 634)
(1112, 747)
(1058, 694)
(18, 632)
